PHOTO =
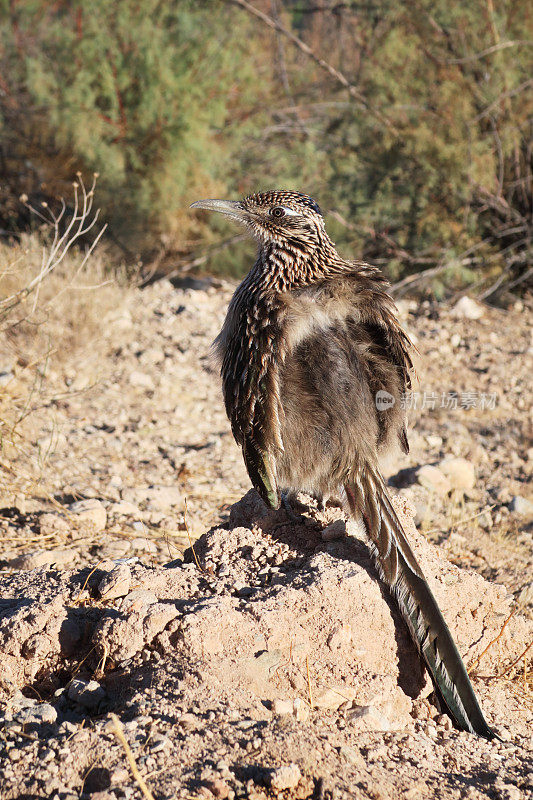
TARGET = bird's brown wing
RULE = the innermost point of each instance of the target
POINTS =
(390, 348)
(259, 469)
(247, 350)
(398, 347)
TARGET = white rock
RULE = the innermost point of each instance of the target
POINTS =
(158, 498)
(136, 599)
(526, 595)
(116, 583)
(151, 356)
(508, 791)
(286, 777)
(42, 713)
(340, 636)
(68, 728)
(124, 508)
(53, 523)
(123, 322)
(301, 709)
(455, 340)
(189, 722)
(368, 718)
(353, 755)
(522, 506)
(91, 513)
(42, 558)
(141, 380)
(146, 545)
(281, 707)
(460, 473)
(333, 697)
(433, 479)
(117, 548)
(160, 743)
(466, 308)
(335, 530)
(86, 693)
(403, 307)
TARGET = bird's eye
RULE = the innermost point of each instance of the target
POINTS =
(277, 212)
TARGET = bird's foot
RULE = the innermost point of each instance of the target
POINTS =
(292, 515)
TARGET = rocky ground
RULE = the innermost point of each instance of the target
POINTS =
(270, 661)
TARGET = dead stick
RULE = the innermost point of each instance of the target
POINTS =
(309, 683)
(129, 755)
(352, 90)
(522, 655)
(190, 538)
(480, 656)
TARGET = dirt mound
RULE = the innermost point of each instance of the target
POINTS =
(273, 647)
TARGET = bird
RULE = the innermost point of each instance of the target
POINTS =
(314, 364)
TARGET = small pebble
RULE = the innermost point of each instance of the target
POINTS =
(218, 788)
(42, 713)
(160, 743)
(282, 707)
(189, 722)
(367, 718)
(460, 473)
(522, 506)
(86, 693)
(285, 777)
(116, 583)
(336, 530)
(91, 513)
(433, 478)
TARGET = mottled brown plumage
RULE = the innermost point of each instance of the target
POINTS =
(309, 342)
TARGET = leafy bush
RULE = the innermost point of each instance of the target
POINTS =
(135, 91)
(411, 123)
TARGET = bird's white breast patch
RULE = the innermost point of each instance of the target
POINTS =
(307, 314)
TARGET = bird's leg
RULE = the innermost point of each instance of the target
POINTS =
(285, 500)
(321, 502)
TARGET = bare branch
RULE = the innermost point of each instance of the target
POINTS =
(352, 90)
(155, 275)
(488, 51)
(503, 96)
(81, 221)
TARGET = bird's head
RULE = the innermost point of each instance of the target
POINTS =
(274, 217)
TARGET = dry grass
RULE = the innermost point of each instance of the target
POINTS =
(66, 312)
(119, 732)
(515, 672)
(50, 318)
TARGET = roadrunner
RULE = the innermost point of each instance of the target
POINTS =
(313, 364)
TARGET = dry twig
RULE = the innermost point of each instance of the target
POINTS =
(83, 219)
(119, 733)
(496, 639)
(190, 538)
(311, 704)
(352, 90)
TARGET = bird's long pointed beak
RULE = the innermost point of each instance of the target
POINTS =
(229, 208)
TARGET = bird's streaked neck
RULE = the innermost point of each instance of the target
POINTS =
(287, 264)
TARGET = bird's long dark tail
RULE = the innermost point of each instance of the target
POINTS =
(398, 566)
